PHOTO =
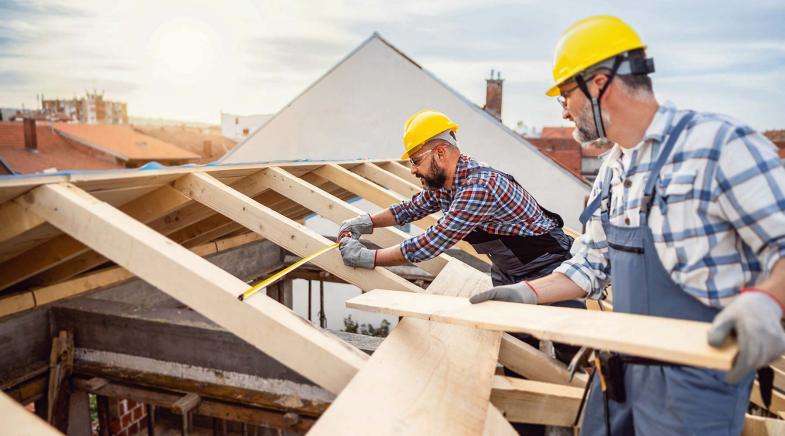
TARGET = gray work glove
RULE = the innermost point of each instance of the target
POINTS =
(360, 225)
(517, 293)
(356, 255)
(755, 318)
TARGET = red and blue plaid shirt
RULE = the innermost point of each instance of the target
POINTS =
(484, 200)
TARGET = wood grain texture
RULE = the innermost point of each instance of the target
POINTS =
(262, 322)
(671, 340)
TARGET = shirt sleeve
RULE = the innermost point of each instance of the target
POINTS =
(421, 205)
(589, 266)
(750, 189)
(471, 206)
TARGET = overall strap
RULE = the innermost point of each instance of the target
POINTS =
(654, 173)
(601, 201)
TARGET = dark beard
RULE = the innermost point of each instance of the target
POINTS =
(437, 180)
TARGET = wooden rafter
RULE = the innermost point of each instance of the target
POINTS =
(198, 283)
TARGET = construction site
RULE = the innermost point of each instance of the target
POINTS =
(163, 279)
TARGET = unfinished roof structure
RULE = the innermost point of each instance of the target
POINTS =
(74, 322)
(357, 109)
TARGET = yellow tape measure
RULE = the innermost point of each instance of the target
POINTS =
(280, 274)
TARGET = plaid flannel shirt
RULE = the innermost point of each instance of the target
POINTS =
(484, 200)
(718, 218)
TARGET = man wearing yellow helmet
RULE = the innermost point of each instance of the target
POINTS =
(481, 205)
(686, 220)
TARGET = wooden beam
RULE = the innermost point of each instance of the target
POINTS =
(400, 171)
(534, 364)
(677, 341)
(425, 378)
(382, 198)
(260, 321)
(337, 210)
(64, 248)
(17, 420)
(536, 402)
(386, 179)
(760, 426)
(281, 230)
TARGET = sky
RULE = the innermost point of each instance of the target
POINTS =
(190, 60)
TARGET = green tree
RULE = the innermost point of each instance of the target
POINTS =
(350, 325)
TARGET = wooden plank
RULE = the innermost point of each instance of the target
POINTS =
(382, 198)
(64, 248)
(677, 341)
(386, 179)
(17, 421)
(404, 386)
(534, 364)
(536, 402)
(400, 171)
(262, 322)
(337, 210)
(423, 379)
(777, 399)
(760, 426)
(281, 230)
(496, 424)
(459, 279)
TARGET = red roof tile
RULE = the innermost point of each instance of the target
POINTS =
(557, 132)
(124, 142)
(53, 151)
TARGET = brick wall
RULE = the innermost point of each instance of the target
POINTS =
(126, 417)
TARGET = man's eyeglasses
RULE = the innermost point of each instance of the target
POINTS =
(562, 99)
(420, 158)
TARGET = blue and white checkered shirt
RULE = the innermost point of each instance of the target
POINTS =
(718, 220)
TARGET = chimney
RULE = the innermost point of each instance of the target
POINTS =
(493, 95)
(207, 148)
(31, 140)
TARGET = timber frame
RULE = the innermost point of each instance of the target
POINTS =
(66, 235)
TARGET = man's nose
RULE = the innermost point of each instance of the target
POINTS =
(565, 114)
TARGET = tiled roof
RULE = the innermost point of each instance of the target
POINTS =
(557, 132)
(565, 152)
(124, 143)
(53, 151)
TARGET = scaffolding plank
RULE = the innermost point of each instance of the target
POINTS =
(677, 341)
(281, 230)
(262, 322)
(400, 171)
(337, 210)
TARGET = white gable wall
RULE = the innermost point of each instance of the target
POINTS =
(357, 111)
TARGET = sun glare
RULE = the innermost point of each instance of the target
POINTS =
(183, 50)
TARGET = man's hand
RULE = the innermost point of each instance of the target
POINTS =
(356, 255)
(360, 225)
(755, 318)
(521, 292)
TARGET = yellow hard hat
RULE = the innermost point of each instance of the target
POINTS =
(423, 126)
(589, 42)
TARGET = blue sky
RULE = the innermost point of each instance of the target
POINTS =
(192, 59)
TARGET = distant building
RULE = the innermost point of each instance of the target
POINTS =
(239, 127)
(91, 109)
(34, 147)
(559, 144)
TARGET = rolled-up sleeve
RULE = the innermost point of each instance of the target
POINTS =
(589, 266)
(421, 205)
(470, 207)
(750, 189)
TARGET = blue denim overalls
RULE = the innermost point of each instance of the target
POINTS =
(661, 399)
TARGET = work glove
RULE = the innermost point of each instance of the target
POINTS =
(755, 318)
(356, 255)
(521, 292)
(360, 225)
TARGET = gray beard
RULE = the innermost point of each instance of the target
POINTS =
(585, 131)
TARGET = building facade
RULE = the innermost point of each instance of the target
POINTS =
(91, 109)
